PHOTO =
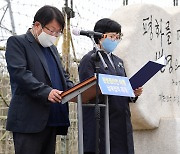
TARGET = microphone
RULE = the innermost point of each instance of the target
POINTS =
(78, 32)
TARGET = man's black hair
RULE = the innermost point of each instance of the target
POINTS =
(106, 25)
(47, 13)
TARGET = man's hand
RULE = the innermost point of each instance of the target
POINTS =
(55, 96)
(138, 91)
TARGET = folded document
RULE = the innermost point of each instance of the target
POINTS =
(147, 72)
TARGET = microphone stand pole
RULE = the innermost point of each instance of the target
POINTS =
(97, 57)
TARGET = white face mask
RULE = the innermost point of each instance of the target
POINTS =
(46, 40)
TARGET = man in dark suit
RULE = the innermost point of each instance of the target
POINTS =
(37, 79)
(121, 137)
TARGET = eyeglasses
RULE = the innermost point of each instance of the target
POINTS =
(53, 32)
(113, 36)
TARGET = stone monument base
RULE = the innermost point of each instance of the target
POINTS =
(163, 140)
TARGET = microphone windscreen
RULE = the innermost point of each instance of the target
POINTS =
(76, 31)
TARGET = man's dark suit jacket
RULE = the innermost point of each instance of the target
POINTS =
(30, 84)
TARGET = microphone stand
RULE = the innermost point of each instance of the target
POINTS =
(97, 57)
